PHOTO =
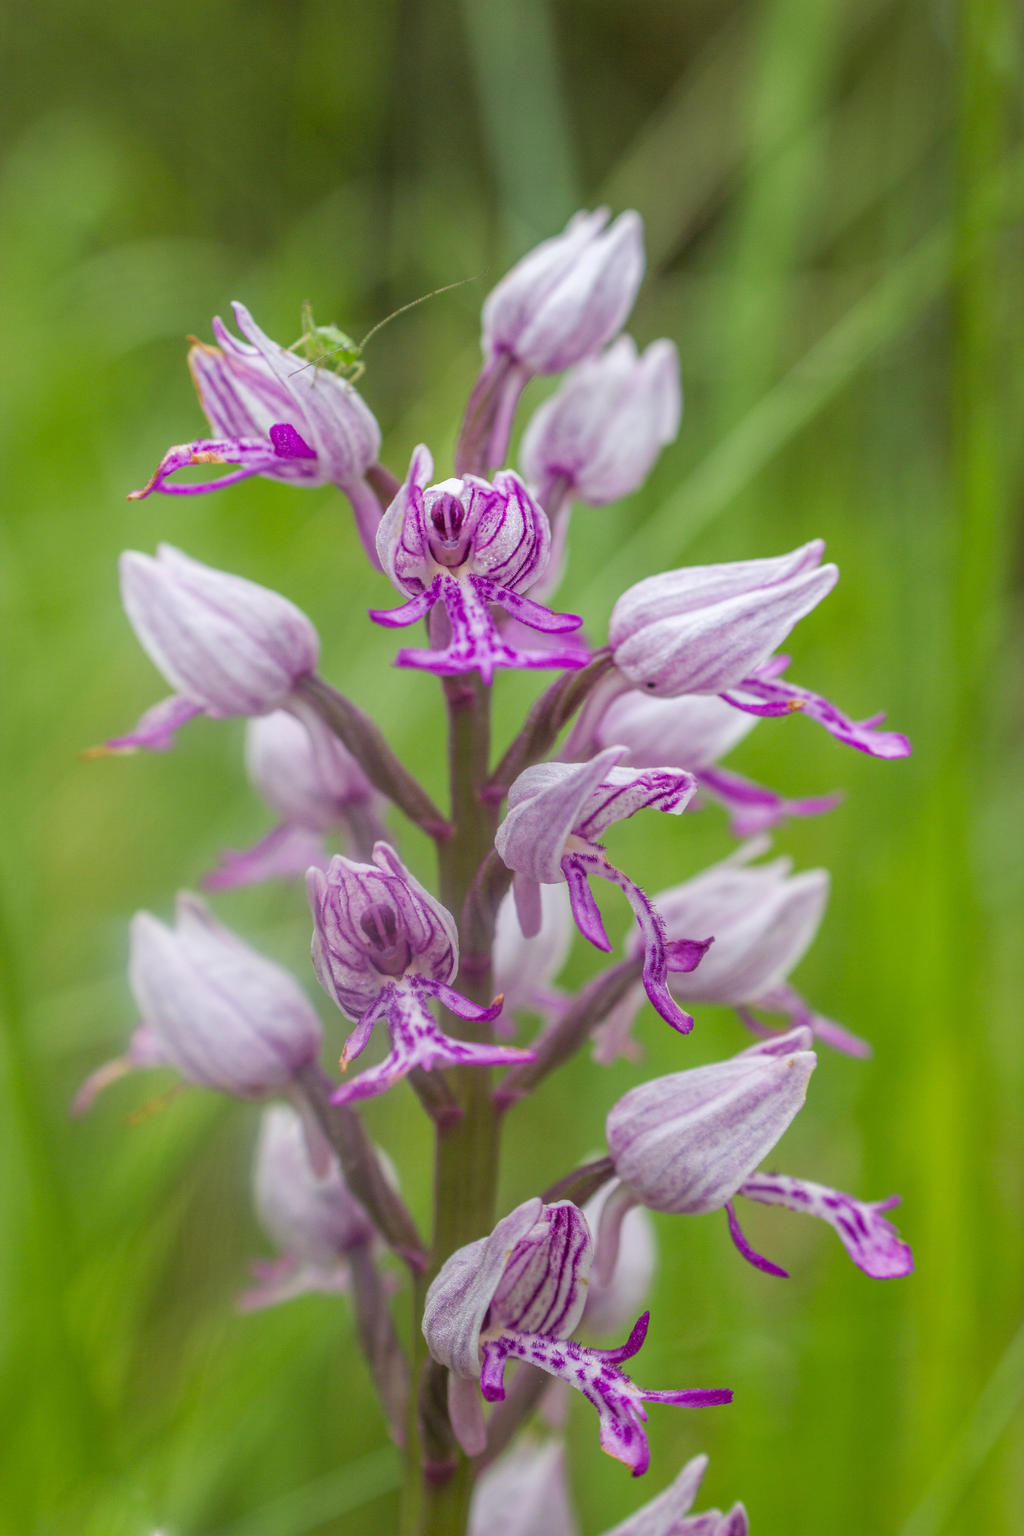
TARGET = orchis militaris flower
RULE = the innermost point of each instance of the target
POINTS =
(214, 1008)
(305, 774)
(764, 919)
(525, 968)
(688, 1143)
(518, 1295)
(272, 414)
(597, 438)
(312, 1218)
(559, 304)
(226, 646)
(693, 732)
(383, 947)
(714, 628)
(466, 544)
(557, 811)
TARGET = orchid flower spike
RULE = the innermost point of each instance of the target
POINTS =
(688, 1143)
(316, 787)
(272, 414)
(519, 1294)
(557, 812)
(558, 305)
(596, 440)
(383, 947)
(693, 732)
(312, 1218)
(764, 919)
(212, 1007)
(226, 646)
(713, 629)
(467, 544)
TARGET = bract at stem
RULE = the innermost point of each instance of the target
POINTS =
(364, 739)
(363, 1172)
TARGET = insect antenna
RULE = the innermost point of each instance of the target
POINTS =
(446, 288)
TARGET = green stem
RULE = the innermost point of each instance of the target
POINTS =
(466, 1155)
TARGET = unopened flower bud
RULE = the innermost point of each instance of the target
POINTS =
(211, 1006)
(713, 629)
(598, 437)
(569, 295)
(227, 646)
(313, 1219)
(686, 1142)
(764, 918)
(705, 628)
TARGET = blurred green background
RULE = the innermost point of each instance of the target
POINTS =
(833, 195)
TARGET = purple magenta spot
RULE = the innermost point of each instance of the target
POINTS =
(288, 444)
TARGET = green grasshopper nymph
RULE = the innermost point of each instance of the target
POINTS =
(328, 346)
